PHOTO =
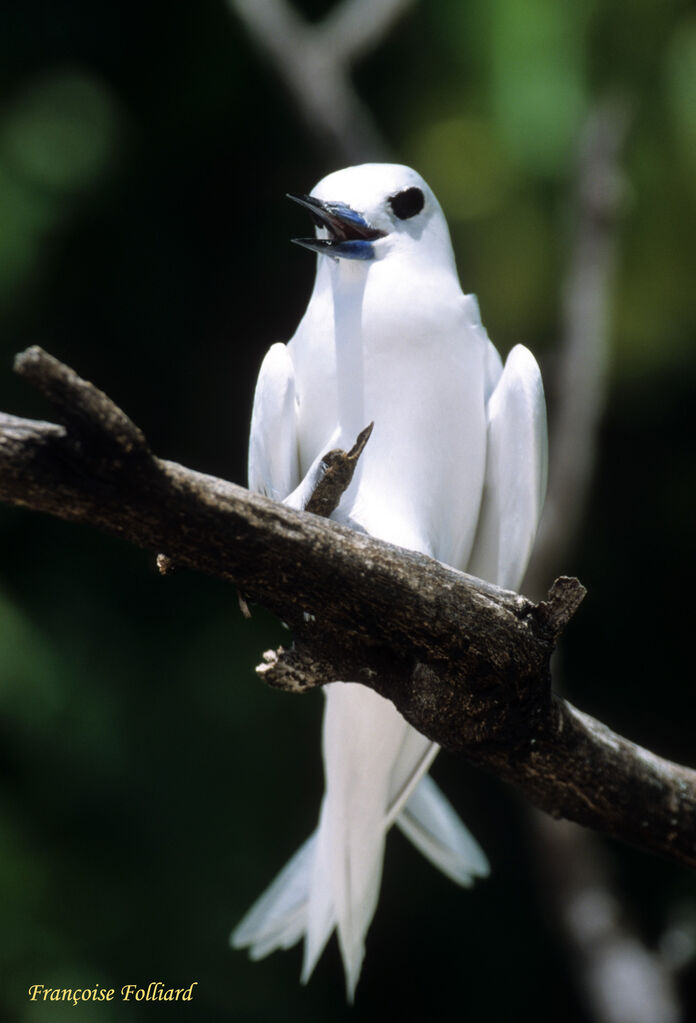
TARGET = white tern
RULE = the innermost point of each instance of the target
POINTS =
(455, 468)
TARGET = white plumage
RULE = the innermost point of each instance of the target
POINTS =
(455, 468)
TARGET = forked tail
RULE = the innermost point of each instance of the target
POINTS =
(326, 886)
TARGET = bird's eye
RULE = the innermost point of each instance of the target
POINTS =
(407, 203)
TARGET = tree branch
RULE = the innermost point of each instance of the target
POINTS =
(465, 662)
(619, 977)
(580, 381)
(313, 61)
(621, 980)
(339, 468)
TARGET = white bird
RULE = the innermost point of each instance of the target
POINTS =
(455, 468)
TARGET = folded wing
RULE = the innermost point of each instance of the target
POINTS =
(515, 480)
(274, 468)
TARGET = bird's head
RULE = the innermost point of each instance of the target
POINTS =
(374, 210)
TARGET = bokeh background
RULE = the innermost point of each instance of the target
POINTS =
(150, 785)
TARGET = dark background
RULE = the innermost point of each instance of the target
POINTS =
(150, 786)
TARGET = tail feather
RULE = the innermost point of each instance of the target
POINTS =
(278, 917)
(412, 764)
(362, 736)
(375, 766)
(429, 820)
(320, 918)
(284, 939)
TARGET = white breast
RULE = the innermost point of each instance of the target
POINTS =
(415, 367)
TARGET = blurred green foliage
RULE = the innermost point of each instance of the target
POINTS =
(150, 785)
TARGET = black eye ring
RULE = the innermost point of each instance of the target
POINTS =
(408, 203)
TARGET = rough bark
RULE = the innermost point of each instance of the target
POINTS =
(465, 662)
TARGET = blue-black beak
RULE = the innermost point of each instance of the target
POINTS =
(350, 236)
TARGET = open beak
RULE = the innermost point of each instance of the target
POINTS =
(350, 236)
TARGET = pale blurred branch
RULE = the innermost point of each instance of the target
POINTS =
(353, 28)
(579, 384)
(314, 63)
(620, 979)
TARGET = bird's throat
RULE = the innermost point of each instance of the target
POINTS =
(348, 294)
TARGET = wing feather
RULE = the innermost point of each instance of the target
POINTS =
(274, 468)
(515, 481)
